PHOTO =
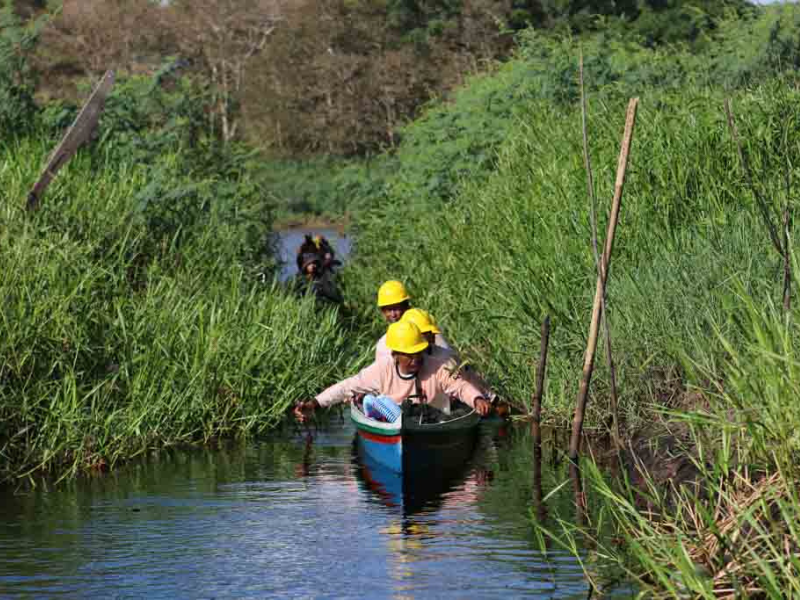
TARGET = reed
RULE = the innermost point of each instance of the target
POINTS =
(507, 250)
(136, 314)
(730, 531)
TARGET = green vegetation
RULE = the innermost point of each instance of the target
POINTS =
(138, 305)
(734, 531)
(138, 308)
(487, 204)
(484, 213)
(133, 316)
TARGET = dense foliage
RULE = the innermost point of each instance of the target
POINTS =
(138, 304)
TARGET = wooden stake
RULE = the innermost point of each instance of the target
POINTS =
(580, 497)
(538, 506)
(591, 348)
(599, 265)
(537, 395)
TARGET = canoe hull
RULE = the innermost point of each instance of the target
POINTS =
(405, 447)
(383, 442)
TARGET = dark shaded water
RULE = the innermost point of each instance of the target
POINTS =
(287, 518)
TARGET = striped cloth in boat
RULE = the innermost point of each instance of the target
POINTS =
(381, 408)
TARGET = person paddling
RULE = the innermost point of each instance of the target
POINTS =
(408, 373)
(393, 301)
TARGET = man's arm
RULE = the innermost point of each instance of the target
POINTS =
(368, 380)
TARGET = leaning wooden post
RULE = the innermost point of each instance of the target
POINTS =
(79, 132)
(591, 347)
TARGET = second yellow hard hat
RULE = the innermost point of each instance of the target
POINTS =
(421, 319)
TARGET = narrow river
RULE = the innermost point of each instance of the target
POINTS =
(289, 518)
(298, 517)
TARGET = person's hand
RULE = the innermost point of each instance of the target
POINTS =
(304, 409)
(483, 406)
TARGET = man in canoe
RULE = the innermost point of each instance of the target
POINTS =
(327, 253)
(409, 372)
(427, 325)
(393, 302)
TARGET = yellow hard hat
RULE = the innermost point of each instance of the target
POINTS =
(392, 292)
(405, 337)
(421, 319)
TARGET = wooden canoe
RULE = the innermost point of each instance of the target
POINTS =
(408, 444)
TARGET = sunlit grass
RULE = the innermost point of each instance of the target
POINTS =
(128, 327)
(491, 263)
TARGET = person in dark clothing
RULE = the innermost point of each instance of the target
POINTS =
(314, 278)
(320, 246)
(327, 253)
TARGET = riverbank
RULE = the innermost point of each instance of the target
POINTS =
(708, 503)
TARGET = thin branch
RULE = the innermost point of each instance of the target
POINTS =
(787, 258)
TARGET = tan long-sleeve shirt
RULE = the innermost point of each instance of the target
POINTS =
(382, 377)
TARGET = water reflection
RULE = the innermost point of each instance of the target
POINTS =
(419, 491)
(294, 517)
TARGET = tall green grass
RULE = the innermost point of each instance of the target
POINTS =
(507, 250)
(694, 284)
(732, 530)
(138, 310)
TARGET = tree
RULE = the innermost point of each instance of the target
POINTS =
(223, 36)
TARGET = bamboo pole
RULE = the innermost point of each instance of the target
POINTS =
(599, 265)
(591, 347)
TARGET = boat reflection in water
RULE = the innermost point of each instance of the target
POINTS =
(430, 476)
(428, 507)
